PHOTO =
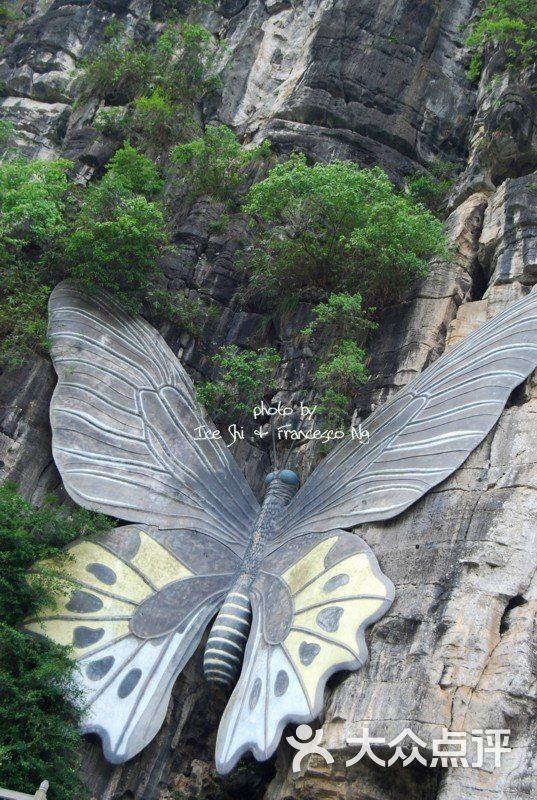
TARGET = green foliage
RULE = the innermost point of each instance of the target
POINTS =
(185, 56)
(333, 407)
(8, 12)
(112, 121)
(158, 121)
(341, 364)
(345, 368)
(29, 535)
(244, 378)
(115, 241)
(23, 312)
(108, 235)
(509, 23)
(39, 713)
(32, 202)
(134, 171)
(431, 188)
(186, 312)
(341, 372)
(159, 83)
(214, 164)
(118, 71)
(7, 135)
(342, 315)
(338, 228)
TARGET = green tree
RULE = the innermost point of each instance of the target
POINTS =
(160, 83)
(186, 312)
(40, 709)
(336, 227)
(215, 163)
(108, 234)
(115, 241)
(342, 314)
(431, 188)
(137, 173)
(345, 368)
(34, 196)
(341, 325)
(119, 70)
(244, 378)
(159, 122)
(511, 24)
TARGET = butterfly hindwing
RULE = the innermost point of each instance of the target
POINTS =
(312, 601)
(136, 607)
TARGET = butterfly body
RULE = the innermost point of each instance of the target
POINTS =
(292, 588)
(225, 646)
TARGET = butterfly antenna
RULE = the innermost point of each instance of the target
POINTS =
(274, 454)
(293, 443)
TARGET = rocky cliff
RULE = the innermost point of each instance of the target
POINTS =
(384, 84)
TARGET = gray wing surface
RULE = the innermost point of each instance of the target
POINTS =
(425, 433)
(124, 421)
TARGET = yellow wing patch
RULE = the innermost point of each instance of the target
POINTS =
(97, 568)
(85, 637)
(299, 574)
(332, 608)
(103, 591)
(157, 564)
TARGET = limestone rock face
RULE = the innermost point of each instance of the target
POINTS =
(382, 83)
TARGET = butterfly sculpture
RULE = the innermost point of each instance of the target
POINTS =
(292, 589)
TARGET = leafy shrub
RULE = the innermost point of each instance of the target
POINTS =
(159, 121)
(7, 135)
(118, 71)
(244, 378)
(8, 12)
(115, 241)
(134, 171)
(340, 374)
(187, 312)
(345, 368)
(341, 315)
(23, 312)
(39, 713)
(185, 57)
(33, 204)
(338, 228)
(108, 234)
(160, 83)
(333, 407)
(341, 363)
(510, 23)
(112, 121)
(214, 164)
(431, 188)
(33, 197)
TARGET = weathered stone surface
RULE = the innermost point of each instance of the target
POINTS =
(25, 452)
(508, 244)
(380, 83)
(503, 138)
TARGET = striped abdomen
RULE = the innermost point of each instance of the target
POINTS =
(225, 646)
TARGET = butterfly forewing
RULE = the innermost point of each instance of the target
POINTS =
(124, 421)
(425, 433)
